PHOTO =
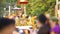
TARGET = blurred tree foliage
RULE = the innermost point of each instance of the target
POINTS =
(5, 4)
(34, 7)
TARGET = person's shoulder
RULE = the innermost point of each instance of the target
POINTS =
(57, 27)
(45, 28)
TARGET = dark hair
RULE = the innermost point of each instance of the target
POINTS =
(45, 29)
(42, 18)
(4, 22)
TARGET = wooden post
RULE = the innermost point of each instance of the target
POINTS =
(56, 8)
(9, 11)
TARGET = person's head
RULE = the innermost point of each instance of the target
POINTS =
(53, 20)
(41, 20)
(6, 25)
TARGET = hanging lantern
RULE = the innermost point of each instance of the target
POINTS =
(23, 1)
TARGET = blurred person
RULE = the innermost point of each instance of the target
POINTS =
(43, 27)
(7, 26)
(55, 28)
